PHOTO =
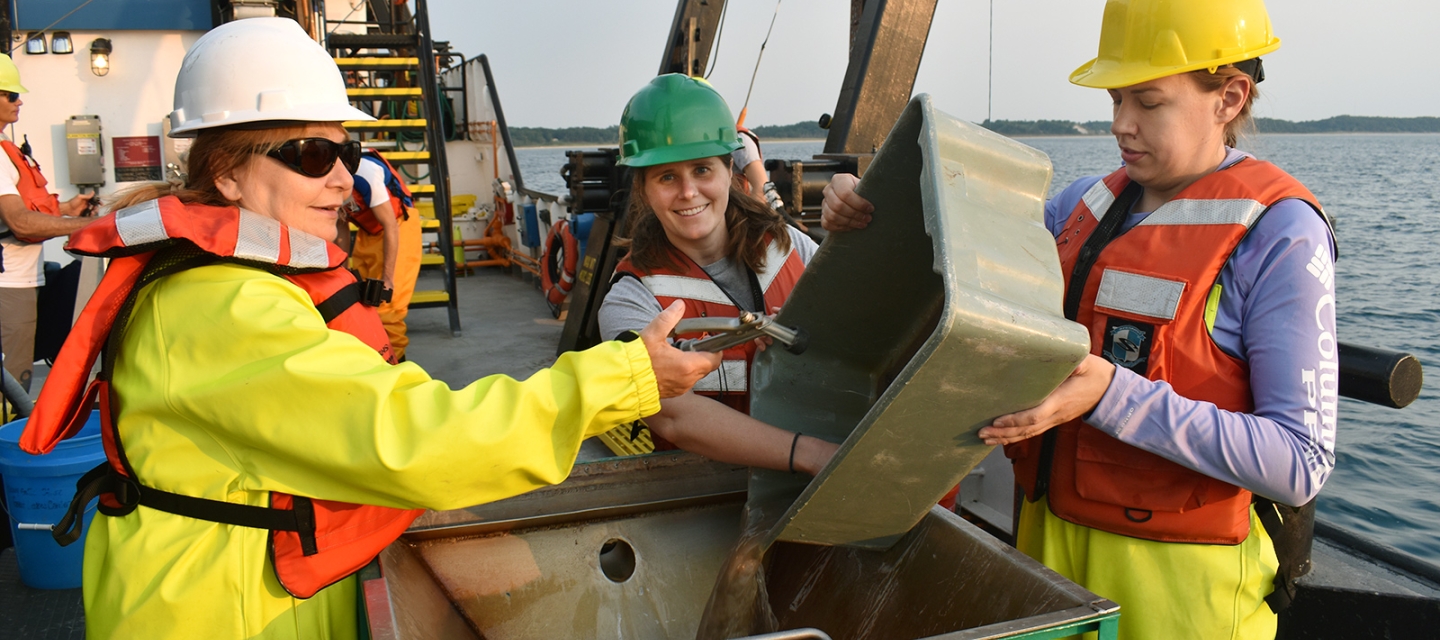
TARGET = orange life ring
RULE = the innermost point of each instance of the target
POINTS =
(557, 276)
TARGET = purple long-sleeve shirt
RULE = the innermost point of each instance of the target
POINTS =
(1277, 313)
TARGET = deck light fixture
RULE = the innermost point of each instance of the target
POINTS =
(35, 43)
(60, 42)
(100, 56)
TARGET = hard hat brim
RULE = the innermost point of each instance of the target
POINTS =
(681, 153)
(1105, 74)
(189, 128)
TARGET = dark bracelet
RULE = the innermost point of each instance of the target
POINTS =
(794, 442)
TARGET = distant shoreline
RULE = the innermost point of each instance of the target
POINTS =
(808, 131)
(572, 145)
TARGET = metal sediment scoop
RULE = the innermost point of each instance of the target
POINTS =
(733, 332)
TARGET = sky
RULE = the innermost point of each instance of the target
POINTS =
(563, 63)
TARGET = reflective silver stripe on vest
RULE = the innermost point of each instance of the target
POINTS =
(259, 238)
(774, 263)
(688, 288)
(733, 375)
(1098, 199)
(1140, 295)
(307, 251)
(140, 224)
(1191, 212)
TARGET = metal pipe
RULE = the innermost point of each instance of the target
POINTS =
(16, 394)
(1379, 376)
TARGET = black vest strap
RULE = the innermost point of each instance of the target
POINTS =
(1292, 530)
(128, 491)
(1106, 231)
(348, 296)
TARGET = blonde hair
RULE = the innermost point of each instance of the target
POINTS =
(1244, 123)
(215, 153)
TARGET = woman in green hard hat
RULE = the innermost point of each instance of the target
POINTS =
(1158, 474)
(695, 237)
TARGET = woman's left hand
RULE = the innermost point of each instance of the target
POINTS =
(1075, 397)
(765, 341)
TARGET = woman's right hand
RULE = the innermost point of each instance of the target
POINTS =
(675, 370)
(843, 209)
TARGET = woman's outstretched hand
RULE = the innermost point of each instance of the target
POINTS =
(675, 370)
(843, 209)
(1076, 396)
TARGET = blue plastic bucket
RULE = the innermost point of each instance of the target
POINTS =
(38, 490)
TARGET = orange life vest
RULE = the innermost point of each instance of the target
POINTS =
(31, 185)
(1144, 303)
(313, 543)
(359, 211)
(703, 298)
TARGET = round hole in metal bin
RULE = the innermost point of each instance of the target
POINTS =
(617, 560)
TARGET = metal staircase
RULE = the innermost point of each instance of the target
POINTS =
(391, 71)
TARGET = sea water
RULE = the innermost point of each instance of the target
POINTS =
(1384, 192)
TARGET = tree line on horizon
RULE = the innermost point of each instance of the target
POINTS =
(609, 136)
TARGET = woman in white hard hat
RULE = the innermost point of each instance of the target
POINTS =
(1206, 279)
(695, 237)
(261, 447)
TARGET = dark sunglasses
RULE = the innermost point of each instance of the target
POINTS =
(315, 157)
(12, 97)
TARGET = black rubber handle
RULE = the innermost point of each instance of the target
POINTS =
(1379, 376)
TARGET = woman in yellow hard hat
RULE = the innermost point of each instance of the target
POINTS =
(694, 236)
(1156, 473)
(262, 445)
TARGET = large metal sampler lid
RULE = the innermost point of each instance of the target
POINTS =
(941, 315)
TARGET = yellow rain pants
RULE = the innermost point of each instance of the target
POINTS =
(230, 386)
(1165, 590)
(367, 257)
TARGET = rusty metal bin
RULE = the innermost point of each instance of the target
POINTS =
(629, 548)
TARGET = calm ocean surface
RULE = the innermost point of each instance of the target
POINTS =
(1384, 193)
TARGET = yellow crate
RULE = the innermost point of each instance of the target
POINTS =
(619, 442)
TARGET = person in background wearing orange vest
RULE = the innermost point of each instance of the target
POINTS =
(30, 215)
(695, 237)
(1204, 420)
(387, 247)
(261, 443)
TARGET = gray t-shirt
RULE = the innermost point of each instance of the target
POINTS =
(629, 306)
(747, 153)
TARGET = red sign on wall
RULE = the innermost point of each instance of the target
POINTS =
(137, 158)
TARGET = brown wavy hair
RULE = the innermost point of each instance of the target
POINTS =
(747, 219)
(215, 153)
(1243, 124)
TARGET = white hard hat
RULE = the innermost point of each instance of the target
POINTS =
(258, 70)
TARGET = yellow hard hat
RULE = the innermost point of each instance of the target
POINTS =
(10, 76)
(1141, 40)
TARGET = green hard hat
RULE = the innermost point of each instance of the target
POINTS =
(673, 119)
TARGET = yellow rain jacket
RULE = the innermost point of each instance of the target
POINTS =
(230, 386)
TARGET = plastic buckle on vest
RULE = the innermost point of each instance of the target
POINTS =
(373, 292)
(102, 482)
